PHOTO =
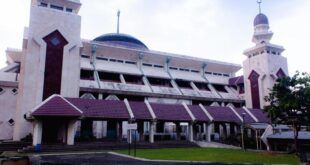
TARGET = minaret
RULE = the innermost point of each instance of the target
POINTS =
(51, 61)
(264, 63)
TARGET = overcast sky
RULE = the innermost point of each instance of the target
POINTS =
(211, 29)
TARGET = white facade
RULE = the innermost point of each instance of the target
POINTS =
(266, 60)
(101, 69)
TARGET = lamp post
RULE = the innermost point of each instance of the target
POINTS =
(296, 125)
(242, 132)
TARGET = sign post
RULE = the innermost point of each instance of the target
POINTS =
(131, 127)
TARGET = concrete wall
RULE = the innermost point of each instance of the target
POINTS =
(7, 110)
(266, 65)
(44, 21)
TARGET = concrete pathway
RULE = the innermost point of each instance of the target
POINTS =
(106, 158)
(215, 145)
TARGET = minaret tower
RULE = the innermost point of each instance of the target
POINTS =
(51, 57)
(264, 63)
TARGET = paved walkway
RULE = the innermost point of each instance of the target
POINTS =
(103, 158)
(215, 145)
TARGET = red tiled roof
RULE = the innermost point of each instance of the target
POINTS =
(223, 114)
(170, 112)
(140, 111)
(56, 106)
(107, 109)
(198, 113)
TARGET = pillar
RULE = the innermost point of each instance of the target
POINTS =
(160, 126)
(37, 133)
(178, 130)
(141, 130)
(232, 129)
(119, 130)
(71, 132)
(217, 128)
(152, 131)
(207, 131)
(190, 132)
(224, 130)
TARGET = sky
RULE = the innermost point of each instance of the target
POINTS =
(211, 29)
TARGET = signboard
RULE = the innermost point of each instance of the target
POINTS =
(132, 126)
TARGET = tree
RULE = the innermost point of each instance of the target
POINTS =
(289, 102)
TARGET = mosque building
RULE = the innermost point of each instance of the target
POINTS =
(60, 87)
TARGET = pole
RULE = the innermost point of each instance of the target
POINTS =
(129, 141)
(242, 133)
(135, 143)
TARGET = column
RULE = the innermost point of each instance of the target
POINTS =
(224, 130)
(178, 130)
(141, 130)
(207, 130)
(37, 133)
(190, 132)
(232, 129)
(151, 132)
(119, 130)
(71, 132)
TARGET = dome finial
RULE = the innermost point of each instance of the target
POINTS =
(118, 14)
(259, 7)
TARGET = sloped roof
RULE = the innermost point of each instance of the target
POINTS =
(236, 81)
(170, 112)
(260, 115)
(247, 117)
(223, 114)
(56, 106)
(108, 109)
(140, 110)
(198, 113)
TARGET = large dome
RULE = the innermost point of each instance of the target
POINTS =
(261, 19)
(123, 40)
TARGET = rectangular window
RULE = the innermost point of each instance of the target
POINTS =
(120, 61)
(145, 64)
(109, 77)
(130, 62)
(133, 79)
(202, 86)
(42, 4)
(57, 7)
(69, 10)
(158, 66)
(184, 84)
(84, 56)
(87, 74)
(173, 68)
(159, 82)
(195, 71)
(102, 58)
(220, 88)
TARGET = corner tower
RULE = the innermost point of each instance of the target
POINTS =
(264, 64)
(51, 57)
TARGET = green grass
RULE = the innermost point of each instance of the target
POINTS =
(215, 155)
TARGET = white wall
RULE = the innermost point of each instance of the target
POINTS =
(7, 111)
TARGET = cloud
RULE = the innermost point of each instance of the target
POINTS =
(293, 33)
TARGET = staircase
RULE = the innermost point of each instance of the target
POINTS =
(13, 146)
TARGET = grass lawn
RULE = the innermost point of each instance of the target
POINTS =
(215, 155)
